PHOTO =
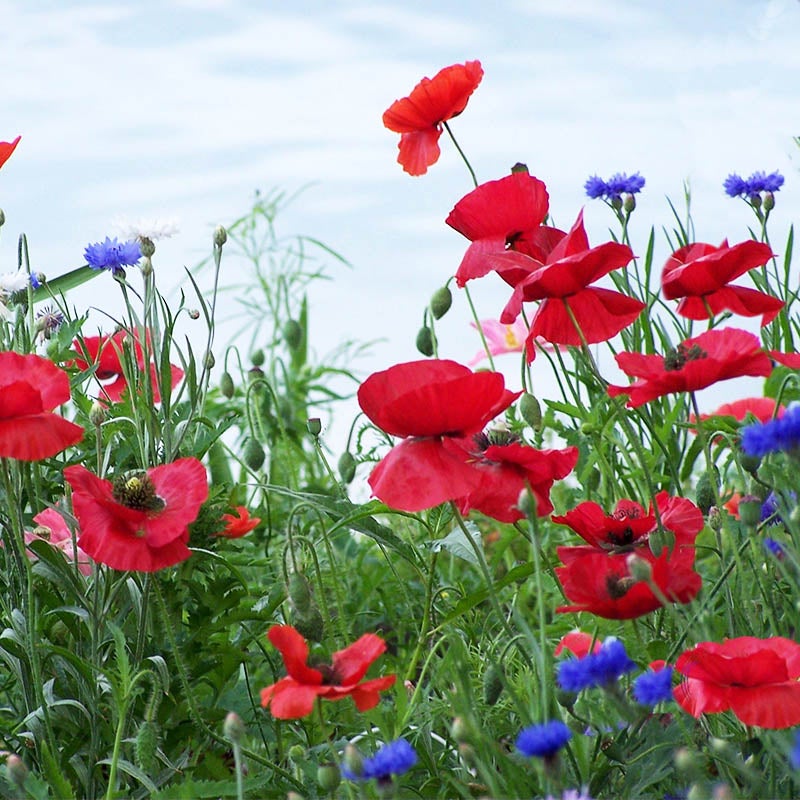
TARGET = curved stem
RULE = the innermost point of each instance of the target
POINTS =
(461, 153)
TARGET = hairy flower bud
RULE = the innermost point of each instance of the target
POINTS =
(530, 411)
(226, 385)
(257, 357)
(425, 341)
(310, 624)
(145, 746)
(526, 503)
(659, 540)
(769, 201)
(220, 236)
(293, 334)
(97, 414)
(749, 463)
(347, 467)
(299, 591)
(440, 302)
(234, 728)
(639, 568)
(629, 203)
(706, 495)
(253, 454)
(328, 777)
(750, 510)
(146, 246)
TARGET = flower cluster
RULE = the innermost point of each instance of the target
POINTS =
(595, 670)
(736, 186)
(617, 185)
(773, 436)
(601, 576)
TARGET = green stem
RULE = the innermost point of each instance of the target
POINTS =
(422, 639)
(461, 153)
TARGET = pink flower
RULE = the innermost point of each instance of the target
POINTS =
(52, 528)
(501, 338)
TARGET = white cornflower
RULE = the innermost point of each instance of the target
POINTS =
(152, 229)
(11, 282)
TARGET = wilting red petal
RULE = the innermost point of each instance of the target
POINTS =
(352, 663)
(737, 299)
(6, 149)
(419, 150)
(239, 523)
(422, 473)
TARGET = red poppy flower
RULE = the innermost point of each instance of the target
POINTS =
(713, 356)
(419, 117)
(597, 577)
(293, 697)
(30, 387)
(427, 403)
(565, 278)
(700, 274)
(507, 469)
(628, 529)
(498, 215)
(104, 351)
(141, 521)
(757, 679)
(603, 585)
(6, 149)
(239, 523)
(578, 643)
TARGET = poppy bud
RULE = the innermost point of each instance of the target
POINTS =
(639, 568)
(234, 728)
(226, 385)
(755, 200)
(299, 591)
(526, 503)
(565, 698)
(347, 467)
(328, 777)
(353, 760)
(660, 540)
(749, 462)
(220, 236)
(253, 454)
(750, 510)
(209, 360)
(520, 167)
(293, 334)
(297, 753)
(425, 341)
(616, 203)
(530, 411)
(705, 493)
(310, 624)
(257, 357)
(314, 426)
(492, 684)
(440, 302)
(145, 746)
(714, 519)
(769, 201)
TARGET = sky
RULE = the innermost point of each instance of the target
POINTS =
(184, 109)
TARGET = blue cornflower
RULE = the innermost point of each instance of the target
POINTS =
(602, 668)
(770, 508)
(653, 687)
(112, 255)
(543, 741)
(394, 758)
(759, 181)
(617, 185)
(761, 438)
(794, 753)
(774, 547)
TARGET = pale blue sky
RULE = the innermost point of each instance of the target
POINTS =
(183, 109)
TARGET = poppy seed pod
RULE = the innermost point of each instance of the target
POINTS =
(257, 357)
(293, 334)
(706, 493)
(347, 467)
(530, 411)
(253, 454)
(440, 302)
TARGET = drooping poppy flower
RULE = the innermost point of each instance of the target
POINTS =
(140, 521)
(51, 528)
(757, 679)
(419, 117)
(429, 403)
(578, 643)
(239, 523)
(6, 149)
(562, 283)
(715, 355)
(501, 338)
(507, 469)
(293, 697)
(30, 388)
(105, 353)
(498, 215)
(762, 408)
(699, 275)
(598, 578)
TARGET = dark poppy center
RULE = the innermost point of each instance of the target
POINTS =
(494, 437)
(618, 586)
(330, 677)
(137, 491)
(624, 539)
(677, 359)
